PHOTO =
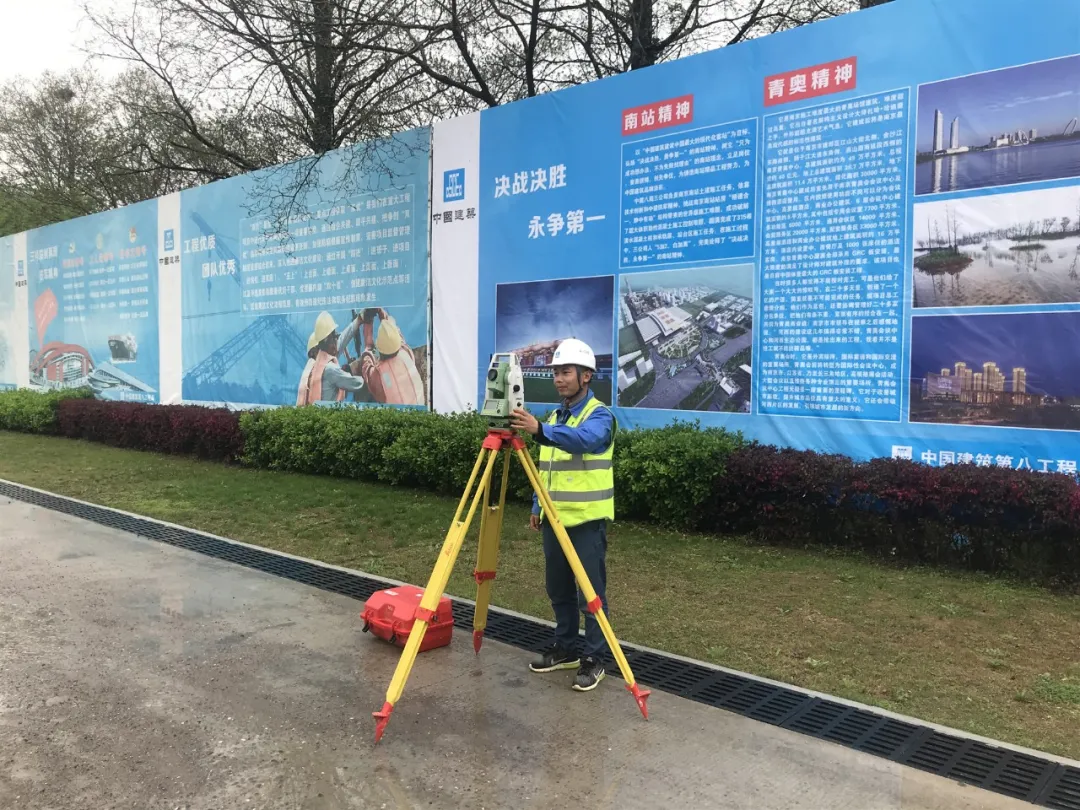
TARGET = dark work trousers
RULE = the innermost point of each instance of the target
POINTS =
(590, 542)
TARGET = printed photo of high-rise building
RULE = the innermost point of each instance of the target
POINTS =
(1009, 126)
(1015, 370)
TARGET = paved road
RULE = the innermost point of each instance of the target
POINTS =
(136, 675)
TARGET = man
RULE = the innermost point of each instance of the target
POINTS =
(391, 376)
(326, 380)
(575, 464)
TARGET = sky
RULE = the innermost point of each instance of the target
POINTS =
(1043, 96)
(541, 311)
(737, 279)
(39, 35)
(1008, 340)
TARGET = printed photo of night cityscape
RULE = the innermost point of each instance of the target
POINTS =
(1015, 125)
(685, 339)
(998, 250)
(533, 317)
(1019, 370)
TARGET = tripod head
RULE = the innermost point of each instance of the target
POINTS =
(504, 390)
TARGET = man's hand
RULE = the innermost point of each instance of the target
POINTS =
(534, 522)
(523, 420)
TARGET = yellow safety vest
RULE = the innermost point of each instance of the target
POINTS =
(582, 486)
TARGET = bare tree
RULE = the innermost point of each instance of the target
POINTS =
(242, 85)
(309, 70)
(642, 33)
(491, 52)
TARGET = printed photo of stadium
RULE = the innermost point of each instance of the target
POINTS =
(533, 317)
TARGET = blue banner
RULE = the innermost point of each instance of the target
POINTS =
(307, 283)
(8, 377)
(815, 238)
(93, 304)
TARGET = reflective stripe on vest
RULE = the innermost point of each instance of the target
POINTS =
(581, 484)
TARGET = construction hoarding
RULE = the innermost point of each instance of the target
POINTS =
(7, 312)
(812, 237)
(93, 301)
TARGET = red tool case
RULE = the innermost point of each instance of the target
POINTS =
(389, 614)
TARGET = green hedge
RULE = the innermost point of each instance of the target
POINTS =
(400, 447)
(662, 475)
(28, 411)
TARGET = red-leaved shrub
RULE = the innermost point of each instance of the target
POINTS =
(207, 433)
(964, 516)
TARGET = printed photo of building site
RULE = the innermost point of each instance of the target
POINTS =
(685, 339)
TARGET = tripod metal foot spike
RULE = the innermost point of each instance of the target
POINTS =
(640, 695)
(381, 719)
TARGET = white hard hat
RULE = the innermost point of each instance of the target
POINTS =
(574, 352)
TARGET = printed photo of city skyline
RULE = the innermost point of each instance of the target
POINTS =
(533, 317)
(1015, 370)
(1014, 125)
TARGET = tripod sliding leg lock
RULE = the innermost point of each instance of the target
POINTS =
(505, 443)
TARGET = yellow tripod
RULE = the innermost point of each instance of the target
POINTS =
(497, 442)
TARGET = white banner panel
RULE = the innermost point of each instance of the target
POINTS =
(455, 239)
(22, 314)
(169, 298)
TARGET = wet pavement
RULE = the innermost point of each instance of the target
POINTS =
(137, 675)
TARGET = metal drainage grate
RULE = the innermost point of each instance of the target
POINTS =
(1021, 776)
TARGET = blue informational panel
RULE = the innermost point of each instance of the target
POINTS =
(93, 304)
(860, 236)
(7, 312)
(335, 253)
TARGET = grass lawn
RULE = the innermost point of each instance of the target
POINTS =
(989, 657)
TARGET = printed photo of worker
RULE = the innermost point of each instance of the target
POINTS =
(388, 365)
(323, 379)
(386, 368)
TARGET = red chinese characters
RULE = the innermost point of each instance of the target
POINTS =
(658, 115)
(820, 80)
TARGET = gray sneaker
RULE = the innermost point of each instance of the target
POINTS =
(589, 674)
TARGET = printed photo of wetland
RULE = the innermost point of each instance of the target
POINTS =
(999, 250)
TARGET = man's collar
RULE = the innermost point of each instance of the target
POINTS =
(575, 409)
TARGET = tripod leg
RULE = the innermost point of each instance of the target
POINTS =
(487, 555)
(433, 591)
(595, 606)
